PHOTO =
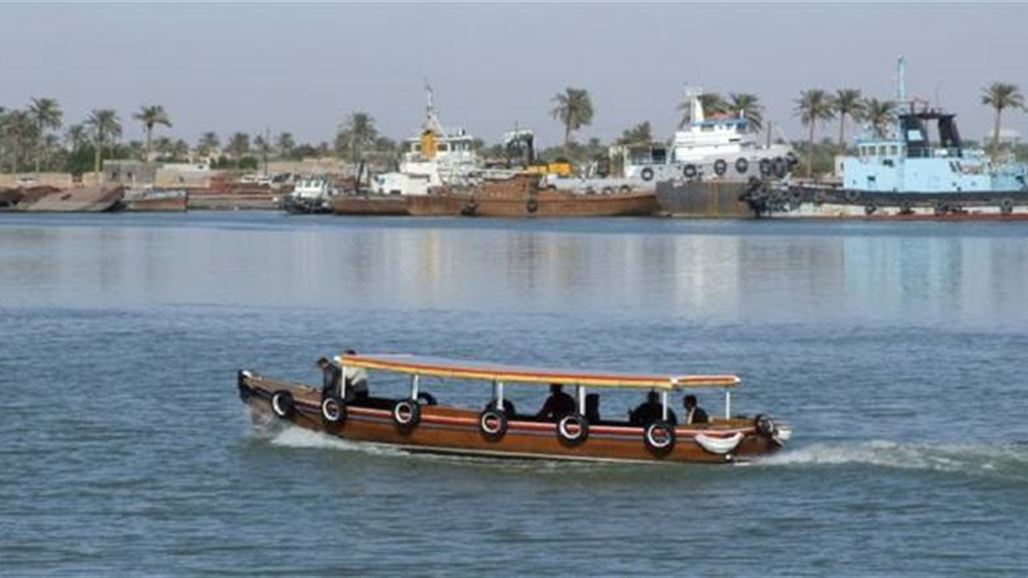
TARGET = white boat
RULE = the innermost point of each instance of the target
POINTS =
(310, 195)
(721, 148)
(438, 157)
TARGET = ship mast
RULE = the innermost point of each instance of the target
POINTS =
(431, 119)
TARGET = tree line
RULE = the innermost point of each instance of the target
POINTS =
(31, 137)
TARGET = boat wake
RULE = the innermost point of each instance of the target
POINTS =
(1005, 460)
(295, 437)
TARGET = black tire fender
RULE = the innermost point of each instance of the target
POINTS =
(532, 205)
(741, 165)
(575, 437)
(765, 425)
(492, 424)
(647, 174)
(689, 171)
(282, 404)
(720, 167)
(406, 415)
(426, 398)
(660, 437)
(333, 410)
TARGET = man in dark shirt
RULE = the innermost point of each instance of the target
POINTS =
(650, 411)
(558, 405)
(694, 413)
(331, 377)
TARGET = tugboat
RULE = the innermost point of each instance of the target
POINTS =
(904, 173)
(310, 196)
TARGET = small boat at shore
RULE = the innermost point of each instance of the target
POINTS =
(417, 423)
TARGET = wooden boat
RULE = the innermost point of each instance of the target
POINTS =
(416, 423)
(159, 200)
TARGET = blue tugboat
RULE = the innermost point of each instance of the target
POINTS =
(920, 166)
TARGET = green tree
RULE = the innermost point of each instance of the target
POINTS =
(748, 106)
(813, 106)
(106, 128)
(879, 114)
(180, 151)
(238, 146)
(574, 109)
(208, 144)
(151, 116)
(285, 143)
(45, 114)
(76, 136)
(356, 134)
(1000, 96)
(264, 147)
(19, 131)
(847, 102)
(638, 134)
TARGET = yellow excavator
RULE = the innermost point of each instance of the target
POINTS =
(519, 146)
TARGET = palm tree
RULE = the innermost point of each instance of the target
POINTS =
(239, 145)
(813, 106)
(356, 134)
(847, 102)
(207, 144)
(151, 116)
(75, 136)
(1000, 95)
(638, 134)
(162, 145)
(106, 129)
(285, 144)
(879, 114)
(18, 129)
(180, 150)
(574, 109)
(46, 114)
(264, 146)
(748, 106)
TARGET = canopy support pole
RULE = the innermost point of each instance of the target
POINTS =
(663, 405)
(580, 393)
(414, 386)
(498, 387)
(728, 403)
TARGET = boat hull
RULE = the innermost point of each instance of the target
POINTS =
(159, 205)
(704, 199)
(558, 204)
(456, 431)
(371, 205)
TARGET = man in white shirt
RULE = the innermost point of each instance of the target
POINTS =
(356, 380)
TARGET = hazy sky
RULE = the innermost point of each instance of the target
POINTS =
(302, 68)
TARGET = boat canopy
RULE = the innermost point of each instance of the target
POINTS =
(463, 369)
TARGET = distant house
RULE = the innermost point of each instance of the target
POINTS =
(1007, 136)
(128, 172)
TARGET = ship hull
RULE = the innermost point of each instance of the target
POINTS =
(704, 199)
(566, 205)
(370, 205)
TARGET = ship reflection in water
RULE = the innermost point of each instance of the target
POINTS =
(724, 271)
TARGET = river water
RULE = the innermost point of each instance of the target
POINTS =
(899, 353)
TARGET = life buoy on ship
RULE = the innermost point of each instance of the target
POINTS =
(765, 167)
(573, 429)
(282, 404)
(492, 423)
(333, 410)
(406, 415)
(720, 167)
(742, 165)
(689, 171)
(625, 189)
(647, 174)
(532, 205)
(660, 437)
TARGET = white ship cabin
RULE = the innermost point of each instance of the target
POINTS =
(721, 135)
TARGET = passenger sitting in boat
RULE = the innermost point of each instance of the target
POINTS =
(330, 377)
(693, 412)
(592, 408)
(558, 405)
(650, 411)
(356, 379)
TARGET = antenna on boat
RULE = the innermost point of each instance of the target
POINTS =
(901, 79)
(431, 119)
